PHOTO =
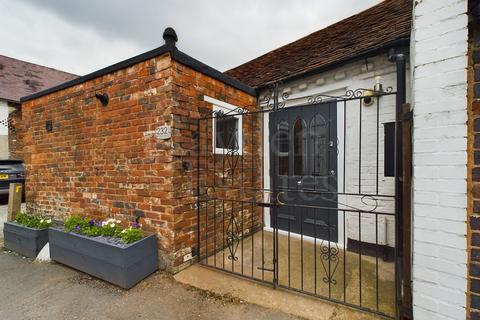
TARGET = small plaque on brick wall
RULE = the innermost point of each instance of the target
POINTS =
(163, 132)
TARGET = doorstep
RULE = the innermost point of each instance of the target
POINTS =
(283, 300)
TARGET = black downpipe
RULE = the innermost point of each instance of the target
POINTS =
(399, 59)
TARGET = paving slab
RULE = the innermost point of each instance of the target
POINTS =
(282, 300)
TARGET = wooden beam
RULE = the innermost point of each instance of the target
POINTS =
(14, 200)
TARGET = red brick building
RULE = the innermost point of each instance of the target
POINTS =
(126, 142)
(109, 158)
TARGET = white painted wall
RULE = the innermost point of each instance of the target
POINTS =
(439, 48)
(356, 75)
(4, 111)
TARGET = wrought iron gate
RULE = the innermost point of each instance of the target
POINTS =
(302, 193)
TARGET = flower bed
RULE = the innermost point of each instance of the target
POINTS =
(27, 235)
(122, 256)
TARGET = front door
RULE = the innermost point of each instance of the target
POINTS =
(303, 162)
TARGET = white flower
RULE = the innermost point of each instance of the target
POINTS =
(118, 221)
(41, 220)
(112, 225)
(104, 223)
(49, 221)
(124, 230)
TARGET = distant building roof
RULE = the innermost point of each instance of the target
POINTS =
(388, 22)
(20, 78)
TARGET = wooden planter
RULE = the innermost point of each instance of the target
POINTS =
(24, 240)
(122, 266)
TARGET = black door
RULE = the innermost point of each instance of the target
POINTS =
(303, 162)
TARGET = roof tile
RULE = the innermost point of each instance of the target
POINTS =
(384, 23)
(20, 78)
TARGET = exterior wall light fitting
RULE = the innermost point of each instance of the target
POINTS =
(103, 98)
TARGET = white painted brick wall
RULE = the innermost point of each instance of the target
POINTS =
(439, 48)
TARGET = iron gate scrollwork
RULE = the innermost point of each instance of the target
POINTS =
(282, 212)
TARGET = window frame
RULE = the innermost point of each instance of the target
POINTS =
(218, 105)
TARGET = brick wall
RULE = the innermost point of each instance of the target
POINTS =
(439, 59)
(189, 89)
(15, 142)
(105, 161)
(474, 166)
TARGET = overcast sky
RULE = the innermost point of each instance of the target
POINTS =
(85, 35)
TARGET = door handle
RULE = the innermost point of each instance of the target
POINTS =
(332, 172)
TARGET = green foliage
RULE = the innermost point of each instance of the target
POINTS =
(33, 221)
(75, 224)
(109, 228)
(131, 235)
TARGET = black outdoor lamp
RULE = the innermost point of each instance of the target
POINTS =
(368, 98)
(103, 98)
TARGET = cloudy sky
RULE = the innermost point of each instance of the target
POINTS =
(85, 35)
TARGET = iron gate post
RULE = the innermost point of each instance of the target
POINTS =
(197, 136)
(399, 59)
(275, 195)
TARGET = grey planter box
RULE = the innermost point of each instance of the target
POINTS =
(24, 240)
(123, 267)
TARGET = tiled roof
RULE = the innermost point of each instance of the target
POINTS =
(386, 23)
(20, 78)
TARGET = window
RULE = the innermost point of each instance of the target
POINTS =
(227, 129)
(299, 150)
(226, 133)
(319, 147)
(283, 146)
(389, 149)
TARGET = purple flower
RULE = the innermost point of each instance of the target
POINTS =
(91, 222)
(135, 225)
(77, 228)
(99, 224)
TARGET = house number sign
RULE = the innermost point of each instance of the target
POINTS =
(163, 132)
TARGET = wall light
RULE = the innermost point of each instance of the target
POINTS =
(103, 98)
(378, 87)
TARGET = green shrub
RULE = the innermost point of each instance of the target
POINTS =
(131, 235)
(75, 224)
(109, 228)
(33, 221)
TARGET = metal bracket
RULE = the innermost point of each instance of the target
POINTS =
(277, 202)
(407, 115)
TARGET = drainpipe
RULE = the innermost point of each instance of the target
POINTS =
(400, 61)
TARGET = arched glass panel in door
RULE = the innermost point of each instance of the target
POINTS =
(299, 147)
(318, 134)
(283, 147)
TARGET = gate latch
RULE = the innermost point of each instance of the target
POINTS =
(266, 204)
(277, 202)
